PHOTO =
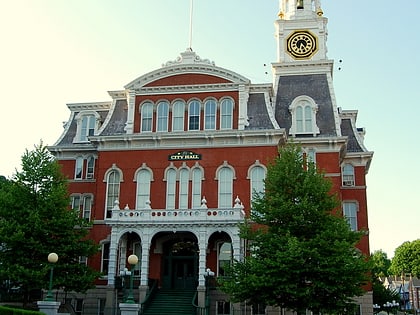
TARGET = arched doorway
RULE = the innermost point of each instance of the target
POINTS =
(180, 263)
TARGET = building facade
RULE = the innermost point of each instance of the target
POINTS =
(166, 168)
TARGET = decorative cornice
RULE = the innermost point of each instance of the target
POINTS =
(182, 89)
(188, 57)
(89, 106)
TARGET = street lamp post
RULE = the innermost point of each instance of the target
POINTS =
(376, 308)
(52, 259)
(132, 260)
(391, 307)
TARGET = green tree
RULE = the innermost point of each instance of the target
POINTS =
(380, 269)
(35, 220)
(302, 252)
(406, 259)
(380, 264)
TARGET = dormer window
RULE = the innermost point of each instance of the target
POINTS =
(303, 110)
(87, 125)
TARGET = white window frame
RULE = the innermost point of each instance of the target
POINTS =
(184, 180)
(170, 177)
(225, 177)
(162, 116)
(226, 113)
(90, 167)
(87, 206)
(143, 177)
(78, 169)
(112, 188)
(146, 117)
(210, 112)
(257, 180)
(348, 175)
(194, 113)
(196, 182)
(350, 210)
(178, 115)
(303, 110)
(87, 125)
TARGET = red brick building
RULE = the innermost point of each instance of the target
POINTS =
(166, 167)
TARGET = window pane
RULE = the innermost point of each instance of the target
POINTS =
(350, 212)
(75, 202)
(299, 119)
(113, 191)
(308, 118)
(87, 207)
(90, 167)
(196, 187)
(210, 114)
(143, 188)
(105, 258)
(225, 187)
(79, 168)
(170, 189)
(226, 114)
(194, 116)
(183, 189)
(178, 116)
(146, 117)
(257, 180)
(162, 120)
(224, 257)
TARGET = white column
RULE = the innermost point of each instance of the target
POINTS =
(130, 113)
(113, 250)
(202, 246)
(144, 269)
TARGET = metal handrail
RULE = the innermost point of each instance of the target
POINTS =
(145, 303)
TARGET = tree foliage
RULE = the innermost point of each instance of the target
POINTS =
(380, 268)
(302, 253)
(406, 259)
(380, 264)
(35, 220)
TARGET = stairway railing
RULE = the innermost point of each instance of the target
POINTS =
(149, 296)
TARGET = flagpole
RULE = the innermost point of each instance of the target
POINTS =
(191, 24)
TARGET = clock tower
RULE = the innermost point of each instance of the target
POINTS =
(302, 74)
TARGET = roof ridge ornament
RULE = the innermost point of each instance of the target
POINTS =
(188, 57)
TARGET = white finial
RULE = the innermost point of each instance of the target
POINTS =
(204, 202)
(116, 205)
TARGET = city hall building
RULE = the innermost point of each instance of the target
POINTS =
(165, 168)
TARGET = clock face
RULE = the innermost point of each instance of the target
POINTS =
(302, 44)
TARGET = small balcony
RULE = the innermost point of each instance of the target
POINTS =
(198, 216)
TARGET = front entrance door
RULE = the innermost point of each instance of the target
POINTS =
(180, 265)
(183, 273)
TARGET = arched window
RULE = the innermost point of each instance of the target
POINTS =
(87, 124)
(225, 189)
(226, 114)
(183, 188)
(197, 176)
(170, 188)
(143, 178)
(146, 117)
(257, 176)
(303, 110)
(210, 115)
(162, 116)
(113, 180)
(348, 175)
(194, 115)
(178, 110)
(224, 257)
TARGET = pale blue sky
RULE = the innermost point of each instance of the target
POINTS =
(55, 52)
